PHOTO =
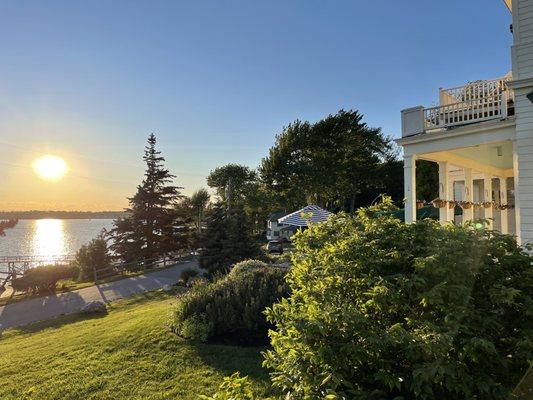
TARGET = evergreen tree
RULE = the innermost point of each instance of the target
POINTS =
(227, 238)
(150, 229)
(215, 240)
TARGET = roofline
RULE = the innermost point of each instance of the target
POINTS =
(509, 4)
(457, 131)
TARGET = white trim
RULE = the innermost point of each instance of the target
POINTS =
(521, 83)
(409, 173)
(468, 195)
(504, 221)
(488, 213)
(517, 201)
(482, 127)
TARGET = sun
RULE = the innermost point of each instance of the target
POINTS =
(50, 168)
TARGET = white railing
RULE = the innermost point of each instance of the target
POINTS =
(465, 112)
(473, 91)
(475, 102)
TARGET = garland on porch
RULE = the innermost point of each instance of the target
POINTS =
(465, 205)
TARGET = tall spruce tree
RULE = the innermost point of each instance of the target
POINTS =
(227, 238)
(150, 229)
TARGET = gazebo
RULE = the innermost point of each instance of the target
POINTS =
(302, 218)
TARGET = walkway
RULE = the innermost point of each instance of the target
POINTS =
(34, 310)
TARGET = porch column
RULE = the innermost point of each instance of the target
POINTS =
(409, 185)
(468, 215)
(445, 213)
(487, 196)
(516, 194)
(503, 200)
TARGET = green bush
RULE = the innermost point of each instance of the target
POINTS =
(233, 305)
(196, 328)
(94, 254)
(233, 388)
(385, 310)
(247, 265)
(43, 279)
(187, 274)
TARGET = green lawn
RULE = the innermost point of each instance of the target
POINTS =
(127, 354)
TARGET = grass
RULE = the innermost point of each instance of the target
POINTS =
(127, 354)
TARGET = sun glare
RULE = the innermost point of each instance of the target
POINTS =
(50, 168)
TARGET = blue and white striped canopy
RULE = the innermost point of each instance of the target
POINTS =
(309, 214)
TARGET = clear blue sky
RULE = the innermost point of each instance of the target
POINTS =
(215, 80)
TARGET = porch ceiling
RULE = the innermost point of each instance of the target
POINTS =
(499, 155)
(493, 158)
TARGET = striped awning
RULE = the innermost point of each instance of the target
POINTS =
(309, 214)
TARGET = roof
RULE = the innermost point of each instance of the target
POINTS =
(308, 214)
(276, 215)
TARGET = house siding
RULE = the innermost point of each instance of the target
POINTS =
(522, 59)
(524, 148)
(522, 50)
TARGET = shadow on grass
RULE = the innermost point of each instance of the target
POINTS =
(54, 323)
(62, 320)
(229, 359)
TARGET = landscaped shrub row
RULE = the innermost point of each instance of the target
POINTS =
(232, 307)
(43, 279)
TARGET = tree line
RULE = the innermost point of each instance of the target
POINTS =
(339, 163)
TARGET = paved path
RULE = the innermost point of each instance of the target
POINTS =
(34, 310)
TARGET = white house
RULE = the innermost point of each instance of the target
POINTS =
(481, 136)
(275, 230)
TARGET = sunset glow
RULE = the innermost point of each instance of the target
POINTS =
(50, 168)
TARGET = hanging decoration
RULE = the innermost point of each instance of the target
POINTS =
(465, 205)
(438, 203)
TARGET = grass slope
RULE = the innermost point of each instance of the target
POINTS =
(127, 354)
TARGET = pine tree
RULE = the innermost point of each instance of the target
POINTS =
(227, 238)
(214, 240)
(150, 229)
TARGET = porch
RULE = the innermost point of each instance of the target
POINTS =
(471, 135)
(477, 173)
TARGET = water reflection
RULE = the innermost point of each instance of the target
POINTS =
(49, 237)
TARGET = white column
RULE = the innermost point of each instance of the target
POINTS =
(468, 215)
(503, 201)
(487, 196)
(409, 179)
(516, 194)
(445, 213)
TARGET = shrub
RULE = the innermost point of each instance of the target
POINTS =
(233, 388)
(247, 265)
(43, 278)
(91, 255)
(187, 274)
(385, 310)
(196, 328)
(233, 305)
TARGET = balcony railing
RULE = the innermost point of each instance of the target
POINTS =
(476, 102)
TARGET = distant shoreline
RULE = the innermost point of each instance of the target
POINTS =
(61, 214)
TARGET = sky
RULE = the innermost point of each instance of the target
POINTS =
(214, 80)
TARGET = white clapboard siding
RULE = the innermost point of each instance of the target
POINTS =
(524, 144)
(522, 51)
(524, 9)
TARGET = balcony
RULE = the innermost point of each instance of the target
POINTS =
(469, 104)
